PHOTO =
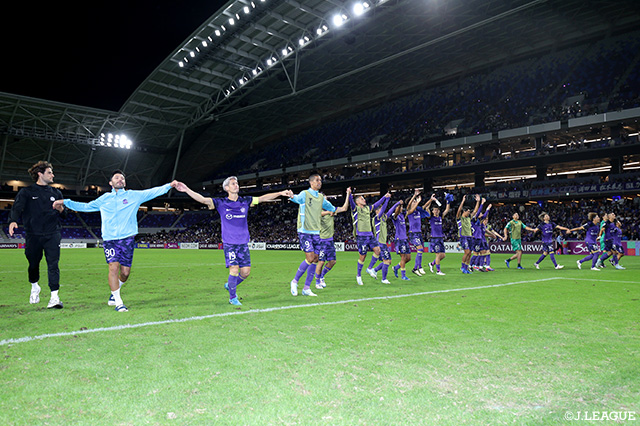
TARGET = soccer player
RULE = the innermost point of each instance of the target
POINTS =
(546, 228)
(618, 251)
(311, 204)
(380, 228)
(415, 214)
(402, 243)
(118, 211)
(592, 229)
(233, 210)
(478, 237)
(514, 229)
(42, 229)
(608, 230)
(362, 230)
(463, 217)
(486, 249)
(436, 242)
(327, 249)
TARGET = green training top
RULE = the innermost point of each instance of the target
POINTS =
(515, 228)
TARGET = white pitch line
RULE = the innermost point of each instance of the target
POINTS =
(604, 281)
(257, 311)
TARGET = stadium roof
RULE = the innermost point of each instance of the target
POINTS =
(256, 71)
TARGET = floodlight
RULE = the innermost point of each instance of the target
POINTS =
(358, 9)
(254, 72)
(217, 32)
(337, 20)
(192, 54)
(232, 21)
(204, 43)
(246, 10)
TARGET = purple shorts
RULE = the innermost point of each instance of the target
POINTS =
(547, 247)
(593, 247)
(617, 248)
(120, 251)
(326, 250)
(415, 238)
(436, 245)
(236, 255)
(366, 242)
(309, 243)
(402, 247)
(466, 242)
(385, 254)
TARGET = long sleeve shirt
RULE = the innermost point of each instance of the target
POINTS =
(33, 207)
(118, 210)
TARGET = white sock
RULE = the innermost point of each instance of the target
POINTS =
(117, 298)
(120, 282)
(54, 294)
(34, 286)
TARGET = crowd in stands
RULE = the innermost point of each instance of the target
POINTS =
(570, 83)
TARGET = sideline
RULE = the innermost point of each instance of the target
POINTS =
(258, 311)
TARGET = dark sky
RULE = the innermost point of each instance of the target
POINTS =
(93, 55)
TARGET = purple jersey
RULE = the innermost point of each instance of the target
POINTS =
(547, 231)
(609, 229)
(415, 221)
(477, 230)
(436, 226)
(401, 227)
(616, 235)
(592, 231)
(233, 219)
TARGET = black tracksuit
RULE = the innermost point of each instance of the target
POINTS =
(41, 224)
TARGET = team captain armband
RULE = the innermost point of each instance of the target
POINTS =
(255, 201)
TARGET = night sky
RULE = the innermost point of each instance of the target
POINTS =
(95, 55)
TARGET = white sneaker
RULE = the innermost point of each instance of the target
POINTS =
(595, 269)
(599, 264)
(559, 266)
(618, 266)
(579, 264)
(359, 280)
(54, 303)
(294, 288)
(430, 268)
(537, 266)
(308, 292)
(34, 297)
(319, 286)
(322, 283)
(386, 282)
(372, 273)
(440, 273)
(417, 272)
(111, 301)
(422, 271)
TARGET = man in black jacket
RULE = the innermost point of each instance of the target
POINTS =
(42, 229)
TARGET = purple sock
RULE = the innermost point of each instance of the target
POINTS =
(553, 259)
(311, 273)
(614, 259)
(360, 266)
(403, 272)
(418, 263)
(604, 256)
(586, 258)
(541, 259)
(395, 268)
(595, 259)
(233, 283)
(325, 271)
(385, 271)
(437, 267)
(373, 261)
(489, 260)
(379, 267)
(301, 270)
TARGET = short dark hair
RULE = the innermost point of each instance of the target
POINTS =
(117, 171)
(39, 167)
(313, 175)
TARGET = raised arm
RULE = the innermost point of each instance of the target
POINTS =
(413, 202)
(273, 195)
(196, 196)
(446, 209)
(383, 207)
(397, 208)
(381, 201)
(476, 209)
(345, 206)
(459, 212)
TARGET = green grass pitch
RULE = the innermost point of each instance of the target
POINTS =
(525, 347)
